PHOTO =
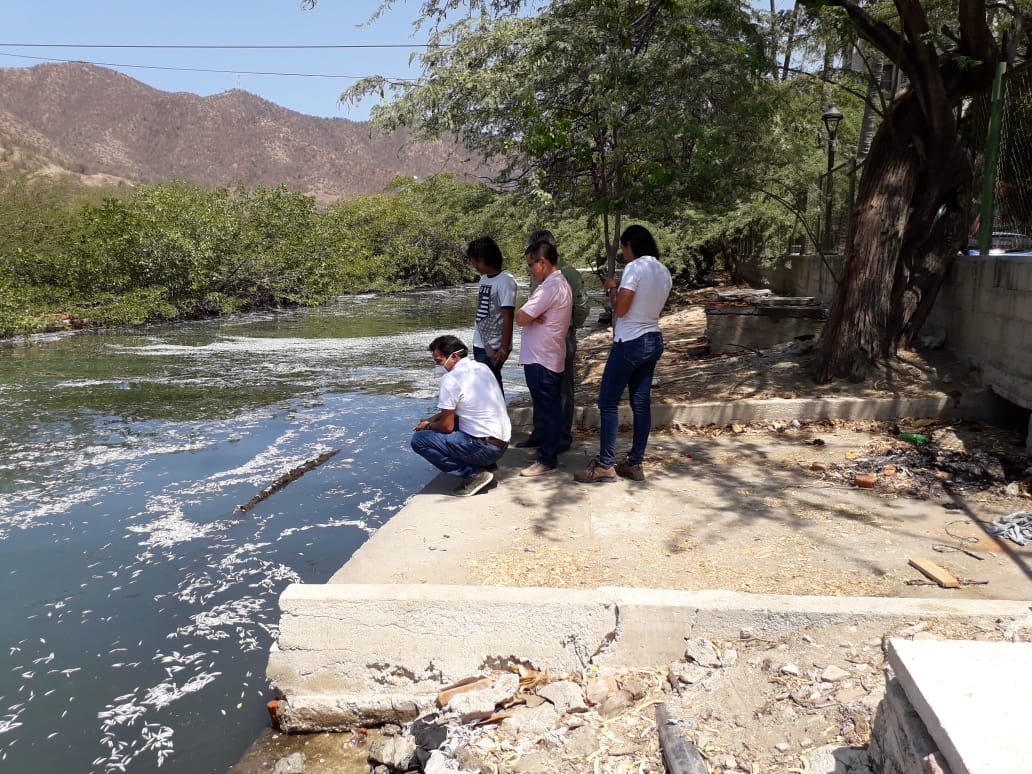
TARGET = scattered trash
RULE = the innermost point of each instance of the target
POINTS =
(273, 708)
(865, 480)
(914, 438)
(926, 471)
(1016, 526)
(960, 582)
(943, 548)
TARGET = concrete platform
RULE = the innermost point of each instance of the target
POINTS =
(451, 586)
(973, 698)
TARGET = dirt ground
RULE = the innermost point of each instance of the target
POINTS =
(835, 507)
(767, 510)
(686, 374)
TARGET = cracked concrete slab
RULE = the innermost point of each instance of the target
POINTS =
(451, 588)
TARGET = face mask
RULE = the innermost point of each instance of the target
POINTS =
(440, 371)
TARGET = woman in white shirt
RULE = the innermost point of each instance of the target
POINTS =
(638, 300)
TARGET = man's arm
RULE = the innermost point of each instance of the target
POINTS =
(502, 353)
(443, 421)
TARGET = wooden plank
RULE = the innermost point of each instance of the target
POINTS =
(930, 569)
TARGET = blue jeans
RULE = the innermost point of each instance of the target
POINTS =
(631, 365)
(548, 411)
(480, 355)
(455, 453)
(565, 396)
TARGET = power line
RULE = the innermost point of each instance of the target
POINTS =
(193, 46)
(192, 69)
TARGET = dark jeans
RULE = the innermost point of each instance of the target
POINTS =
(480, 355)
(548, 411)
(455, 453)
(565, 396)
(631, 365)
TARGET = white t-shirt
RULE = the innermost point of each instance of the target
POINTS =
(495, 293)
(650, 280)
(471, 390)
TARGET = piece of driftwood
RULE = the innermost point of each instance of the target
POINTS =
(285, 479)
(679, 755)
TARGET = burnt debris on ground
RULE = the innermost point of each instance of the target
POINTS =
(941, 466)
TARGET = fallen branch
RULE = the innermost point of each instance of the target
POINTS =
(285, 479)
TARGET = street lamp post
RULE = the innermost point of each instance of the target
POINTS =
(831, 118)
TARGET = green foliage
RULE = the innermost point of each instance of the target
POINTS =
(245, 244)
(414, 233)
(174, 250)
(609, 107)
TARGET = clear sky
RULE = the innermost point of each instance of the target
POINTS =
(222, 23)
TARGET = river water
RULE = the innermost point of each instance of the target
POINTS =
(137, 605)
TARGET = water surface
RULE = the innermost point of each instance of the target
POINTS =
(138, 606)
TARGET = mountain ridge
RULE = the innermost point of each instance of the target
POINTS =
(99, 124)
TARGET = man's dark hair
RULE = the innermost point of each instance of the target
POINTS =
(487, 250)
(541, 235)
(641, 241)
(544, 249)
(448, 345)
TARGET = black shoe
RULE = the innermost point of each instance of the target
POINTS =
(473, 484)
(491, 468)
(564, 448)
(528, 443)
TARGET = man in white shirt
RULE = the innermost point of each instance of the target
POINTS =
(471, 429)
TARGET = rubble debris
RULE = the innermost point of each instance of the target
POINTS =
(463, 686)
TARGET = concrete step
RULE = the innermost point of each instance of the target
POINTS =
(968, 701)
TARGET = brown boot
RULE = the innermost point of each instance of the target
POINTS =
(595, 474)
(627, 470)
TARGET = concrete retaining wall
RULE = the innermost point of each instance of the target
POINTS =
(974, 406)
(985, 308)
(367, 653)
(734, 329)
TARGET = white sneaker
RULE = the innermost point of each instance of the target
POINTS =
(537, 469)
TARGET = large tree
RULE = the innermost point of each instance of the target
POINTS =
(619, 107)
(916, 184)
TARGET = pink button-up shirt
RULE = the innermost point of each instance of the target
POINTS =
(544, 338)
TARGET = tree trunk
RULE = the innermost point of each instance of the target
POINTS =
(875, 88)
(790, 41)
(896, 258)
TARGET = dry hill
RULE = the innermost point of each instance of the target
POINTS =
(98, 123)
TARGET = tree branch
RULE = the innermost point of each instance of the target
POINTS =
(878, 34)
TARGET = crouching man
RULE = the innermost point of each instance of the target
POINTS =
(471, 428)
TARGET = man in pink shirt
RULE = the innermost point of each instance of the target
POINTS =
(545, 318)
